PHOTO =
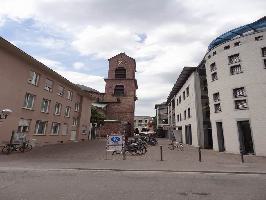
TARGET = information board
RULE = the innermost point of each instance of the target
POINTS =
(115, 142)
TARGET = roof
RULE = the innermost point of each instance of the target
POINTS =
(240, 31)
(182, 78)
(160, 104)
(121, 54)
(88, 89)
(13, 49)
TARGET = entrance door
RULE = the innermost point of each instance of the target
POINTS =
(73, 136)
(220, 136)
(245, 138)
(188, 134)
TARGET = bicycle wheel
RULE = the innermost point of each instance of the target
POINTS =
(6, 149)
(171, 147)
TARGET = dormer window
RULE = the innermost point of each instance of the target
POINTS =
(120, 72)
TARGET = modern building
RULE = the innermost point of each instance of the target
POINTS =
(188, 108)
(161, 118)
(46, 107)
(236, 75)
(141, 122)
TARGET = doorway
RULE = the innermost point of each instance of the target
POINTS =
(188, 134)
(73, 136)
(220, 136)
(245, 137)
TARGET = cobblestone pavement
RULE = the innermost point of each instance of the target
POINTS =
(92, 155)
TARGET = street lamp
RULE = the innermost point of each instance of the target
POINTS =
(4, 113)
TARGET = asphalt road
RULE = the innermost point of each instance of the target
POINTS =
(100, 185)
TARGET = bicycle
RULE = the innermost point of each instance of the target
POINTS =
(175, 144)
(8, 148)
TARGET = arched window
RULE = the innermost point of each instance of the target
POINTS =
(120, 72)
(119, 90)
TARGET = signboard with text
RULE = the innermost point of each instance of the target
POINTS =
(115, 142)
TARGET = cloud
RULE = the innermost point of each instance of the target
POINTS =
(163, 36)
(78, 65)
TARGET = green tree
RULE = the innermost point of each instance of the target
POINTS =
(96, 116)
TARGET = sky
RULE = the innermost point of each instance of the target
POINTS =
(76, 37)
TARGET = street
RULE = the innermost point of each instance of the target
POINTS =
(80, 184)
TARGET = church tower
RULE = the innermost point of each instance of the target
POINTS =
(122, 85)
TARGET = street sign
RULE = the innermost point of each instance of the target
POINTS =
(115, 142)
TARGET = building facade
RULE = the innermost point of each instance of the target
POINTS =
(236, 75)
(141, 122)
(47, 108)
(187, 112)
(161, 119)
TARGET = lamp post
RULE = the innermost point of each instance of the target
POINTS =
(4, 113)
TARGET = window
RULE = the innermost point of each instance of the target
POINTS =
(213, 67)
(264, 63)
(40, 127)
(214, 53)
(217, 108)
(227, 47)
(146, 121)
(61, 90)
(120, 72)
(185, 115)
(237, 44)
(24, 125)
(178, 118)
(34, 78)
(76, 107)
(258, 38)
(263, 51)
(179, 99)
(29, 101)
(241, 104)
(209, 56)
(214, 76)
(69, 95)
(236, 69)
(119, 90)
(187, 90)
(75, 121)
(48, 85)
(55, 128)
(140, 121)
(216, 97)
(45, 105)
(67, 111)
(188, 113)
(57, 109)
(64, 129)
(184, 95)
(233, 59)
(239, 92)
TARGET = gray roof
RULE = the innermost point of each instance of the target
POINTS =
(86, 88)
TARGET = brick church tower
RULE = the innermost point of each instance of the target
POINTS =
(121, 85)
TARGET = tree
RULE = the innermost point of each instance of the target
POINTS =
(96, 116)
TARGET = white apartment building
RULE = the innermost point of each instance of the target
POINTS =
(236, 75)
(141, 122)
(186, 110)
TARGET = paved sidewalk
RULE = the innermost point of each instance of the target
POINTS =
(91, 155)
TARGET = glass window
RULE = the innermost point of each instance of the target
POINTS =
(75, 121)
(48, 85)
(188, 113)
(213, 67)
(233, 59)
(64, 129)
(61, 90)
(185, 115)
(40, 128)
(55, 128)
(258, 38)
(216, 97)
(45, 105)
(179, 99)
(187, 90)
(67, 111)
(236, 69)
(69, 95)
(184, 95)
(263, 51)
(29, 101)
(241, 104)
(217, 108)
(34, 78)
(57, 109)
(214, 76)
(239, 92)
(76, 107)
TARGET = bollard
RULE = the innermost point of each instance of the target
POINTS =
(242, 156)
(124, 154)
(161, 151)
(199, 154)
